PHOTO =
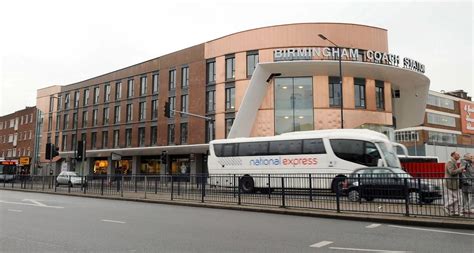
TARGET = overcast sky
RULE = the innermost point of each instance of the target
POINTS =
(48, 42)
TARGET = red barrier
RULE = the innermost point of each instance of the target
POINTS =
(424, 170)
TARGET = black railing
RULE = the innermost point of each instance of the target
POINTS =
(399, 195)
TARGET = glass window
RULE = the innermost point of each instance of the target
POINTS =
(74, 120)
(116, 138)
(118, 90)
(156, 83)
(438, 119)
(211, 72)
(313, 146)
(185, 77)
(128, 137)
(230, 68)
(288, 147)
(228, 125)
(356, 151)
(60, 101)
(76, 99)
(107, 93)
(64, 143)
(438, 137)
(51, 108)
(210, 131)
(130, 88)
(440, 102)
(117, 114)
(154, 109)
(141, 136)
(359, 92)
(66, 122)
(66, 101)
(94, 117)
(58, 122)
(184, 133)
(172, 80)
(105, 139)
(334, 91)
(50, 123)
(105, 117)
(172, 101)
(86, 97)
(143, 86)
(154, 135)
(379, 95)
(230, 98)
(96, 95)
(142, 111)
(253, 148)
(129, 112)
(73, 141)
(170, 134)
(252, 61)
(184, 103)
(293, 104)
(222, 150)
(210, 101)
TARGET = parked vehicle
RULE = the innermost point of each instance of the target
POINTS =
(7, 170)
(70, 178)
(389, 183)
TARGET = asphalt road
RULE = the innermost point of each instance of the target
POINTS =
(34, 222)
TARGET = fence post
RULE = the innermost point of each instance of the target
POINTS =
(233, 184)
(172, 181)
(203, 189)
(121, 187)
(338, 198)
(283, 192)
(85, 184)
(310, 188)
(360, 191)
(54, 183)
(239, 193)
(269, 187)
(13, 182)
(42, 181)
(102, 186)
(69, 184)
(146, 181)
(179, 184)
(31, 182)
(156, 185)
(407, 207)
(135, 179)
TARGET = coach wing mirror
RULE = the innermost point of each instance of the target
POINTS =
(380, 163)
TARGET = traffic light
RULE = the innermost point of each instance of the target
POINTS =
(163, 157)
(48, 151)
(55, 151)
(80, 150)
(167, 110)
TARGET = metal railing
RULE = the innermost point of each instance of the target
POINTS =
(400, 195)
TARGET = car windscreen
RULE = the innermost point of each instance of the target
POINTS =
(401, 173)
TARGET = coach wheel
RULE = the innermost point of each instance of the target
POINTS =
(247, 184)
(337, 184)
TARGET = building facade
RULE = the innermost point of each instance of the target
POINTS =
(448, 126)
(17, 138)
(259, 82)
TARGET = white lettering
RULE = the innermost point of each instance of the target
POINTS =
(326, 52)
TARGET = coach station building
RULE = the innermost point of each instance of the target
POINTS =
(259, 82)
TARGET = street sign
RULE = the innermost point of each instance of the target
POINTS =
(116, 157)
(24, 160)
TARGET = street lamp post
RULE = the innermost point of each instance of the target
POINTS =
(340, 76)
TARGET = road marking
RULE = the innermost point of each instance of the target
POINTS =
(320, 244)
(370, 250)
(114, 221)
(35, 202)
(28, 204)
(373, 225)
(432, 230)
(15, 210)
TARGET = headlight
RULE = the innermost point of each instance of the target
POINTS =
(355, 183)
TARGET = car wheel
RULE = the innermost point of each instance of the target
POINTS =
(247, 185)
(353, 195)
(414, 198)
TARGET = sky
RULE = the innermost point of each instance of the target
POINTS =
(50, 42)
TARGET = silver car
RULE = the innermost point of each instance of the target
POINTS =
(70, 178)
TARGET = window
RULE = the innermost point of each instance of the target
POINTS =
(73, 142)
(96, 95)
(86, 97)
(253, 148)
(156, 83)
(170, 134)
(356, 151)
(359, 92)
(210, 131)
(142, 111)
(58, 122)
(184, 133)
(313, 146)
(141, 136)
(105, 117)
(105, 139)
(210, 101)
(230, 68)
(252, 61)
(50, 123)
(64, 143)
(66, 121)
(443, 120)
(230, 98)
(107, 93)
(94, 117)
(154, 109)
(406, 136)
(292, 147)
(130, 88)
(116, 143)
(83, 136)
(211, 72)
(228, 125)
(379, 95)
(172, 101)
(440, 102)
(67, 101)
(172, 80)
(184, 103)
(60, 101)
(184, 77)
(31, 134)
(143, 86)
(56, 140)
(128, 137)
(117, 114)
(74, 120)
(334, 91)
(438, 137)
(129, 112)
(51, 108)
(76, 99)
(293, 104)
(154, 135)
(118, 90)
(93, 140)
(84, 118)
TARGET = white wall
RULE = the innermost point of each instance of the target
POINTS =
(443, 152)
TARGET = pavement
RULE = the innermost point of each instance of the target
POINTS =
(426, 221)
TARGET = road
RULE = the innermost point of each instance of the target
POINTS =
(34, 222)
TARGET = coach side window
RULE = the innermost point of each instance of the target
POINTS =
(313, 146)
(253, 148)
(225, 149)
(356, 151)
(289, 147)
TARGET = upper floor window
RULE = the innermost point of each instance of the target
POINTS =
(252, 61)
(172, 80)
(107, 93)
(105, 119)
(84, 118)
(172, 101)
(76, 99)
(141, 136)
(359, 92)
(170, 134)
(334, 91)
(440, 102)
(67, 102)
(129, 112)
(118, 90)
(184, 103)
(230, 68)
(379, 95)
(96, 95)
(94, 117)
(184, 77)
(154, 109)
(86, 97)
(51, 106)
(230, 98)
(142, 111)
(210, 101)
(438, 119)
(117, 114)
(211, 72)
(130, 88)
(66, 122)
(143, 86)
(60, 102)
(183, 131)
(155, 80)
